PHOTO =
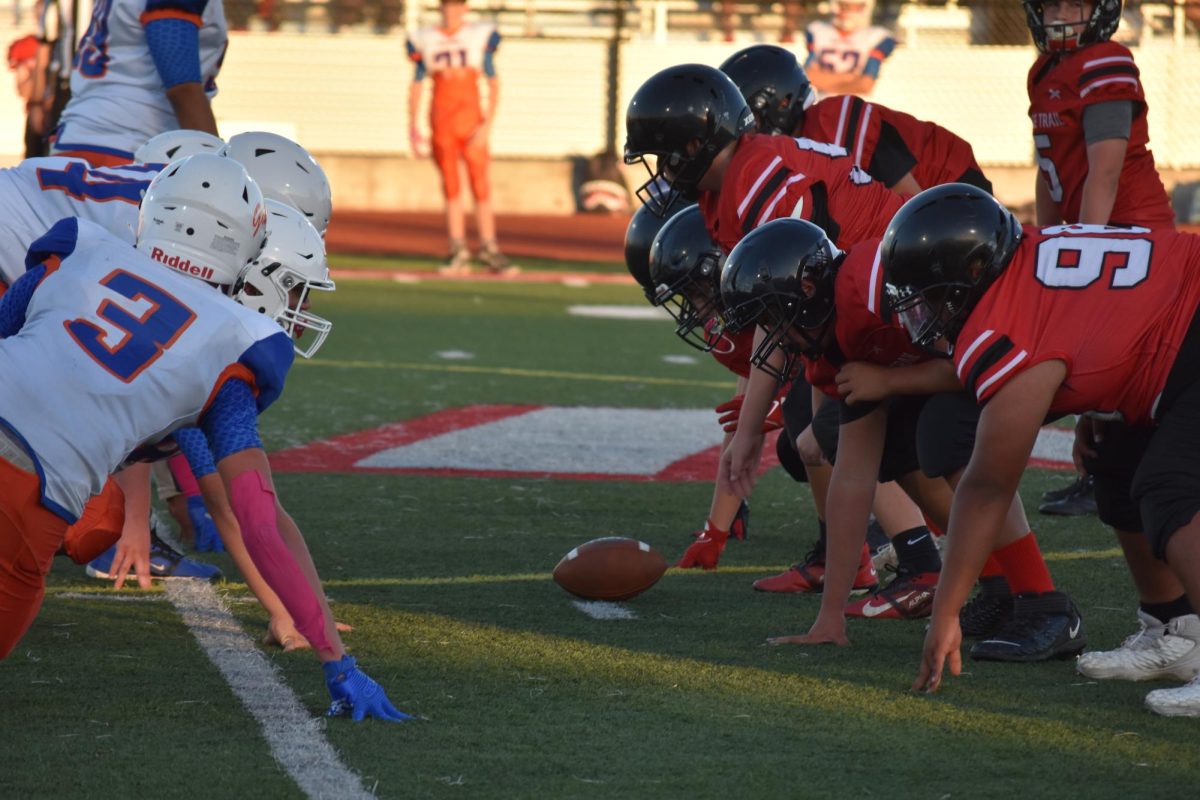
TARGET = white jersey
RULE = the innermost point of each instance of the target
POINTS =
(39, 192)
(117, 95)
(466, 47)
(117, 351)
(856, 52)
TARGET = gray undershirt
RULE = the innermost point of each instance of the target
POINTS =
(1109, 120)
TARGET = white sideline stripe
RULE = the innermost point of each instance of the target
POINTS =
(599, 609)
(294, 736)
(109, 597)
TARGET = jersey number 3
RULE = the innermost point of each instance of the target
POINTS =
(143, 330)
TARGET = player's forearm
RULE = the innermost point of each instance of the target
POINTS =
(847, 509)
(212, 490)
(493, 102)
(415, 91)
(1100, 187)
(980, 507)
(192, 108)
(1045, 210)
(928, 377)
(274, 544)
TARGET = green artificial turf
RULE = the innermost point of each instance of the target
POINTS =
(447, 582)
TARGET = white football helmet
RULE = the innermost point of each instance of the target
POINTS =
(286, 172)
(174, 145)
(291, 265)
(203, 216)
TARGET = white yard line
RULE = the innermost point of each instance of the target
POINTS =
(599, 609)
(295, 737)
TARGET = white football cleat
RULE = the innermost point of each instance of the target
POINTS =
(1155, 652)
(1181, 702)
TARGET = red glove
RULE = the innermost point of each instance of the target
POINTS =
(706, 550)
(732, 409)
(729, 412)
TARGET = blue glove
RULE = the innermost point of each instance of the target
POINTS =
(356, 694)
(207, 538)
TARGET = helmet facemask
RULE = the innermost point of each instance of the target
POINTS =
(933, 312)
(694, 303)
(1061, 37)
(281, 293)
(675, 177)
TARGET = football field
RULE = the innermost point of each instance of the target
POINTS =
(451, 441)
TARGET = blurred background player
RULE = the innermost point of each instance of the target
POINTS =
(143, 67)
(845, 55)
(1090, 130)
(456, 54)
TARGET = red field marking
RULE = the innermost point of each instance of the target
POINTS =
(342, 453)
(480, 276)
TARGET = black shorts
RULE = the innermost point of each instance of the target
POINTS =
(1118, 454)
(946, 433)
(900, 441)
(1167, 482)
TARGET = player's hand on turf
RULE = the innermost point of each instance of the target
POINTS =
(132, 553)
(1086, 430)
(861, 382)
(943, 641)
(282, 631)
(356, 695)
(706, 550)
(823, 631)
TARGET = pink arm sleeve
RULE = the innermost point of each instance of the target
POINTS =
(253, 504)
(183, 476)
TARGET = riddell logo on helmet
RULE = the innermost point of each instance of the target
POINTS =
(260, 219)
(182, 264)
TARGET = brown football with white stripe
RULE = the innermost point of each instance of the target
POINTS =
(612, 568)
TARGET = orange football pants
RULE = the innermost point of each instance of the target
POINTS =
(450, 147)
(30, 535)
(99, 526)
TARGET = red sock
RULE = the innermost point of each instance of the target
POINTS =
(992, 568)
(932, 527)
(1023, 566)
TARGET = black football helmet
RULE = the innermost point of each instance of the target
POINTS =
(640, 234)
(781, 278)
(1057, 38)
(683, 116)
(940, 253)
(685, 267)
(774, 85)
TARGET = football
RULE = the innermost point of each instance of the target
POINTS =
(611, 569)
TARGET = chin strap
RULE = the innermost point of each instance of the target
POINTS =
(254, 506)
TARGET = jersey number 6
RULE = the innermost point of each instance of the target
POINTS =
(145, 328)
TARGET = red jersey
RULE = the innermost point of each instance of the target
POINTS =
(1059, 90)
(771, 177)
(860, 332)
(733, 351)
(1113, 303)
(887, 143)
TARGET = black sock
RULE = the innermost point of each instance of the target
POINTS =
(916, 550)
(1165, 612)
(821, 534)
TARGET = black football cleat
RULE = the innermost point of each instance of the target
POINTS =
(1043, 627)
(1076, 500)
(989, 610)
